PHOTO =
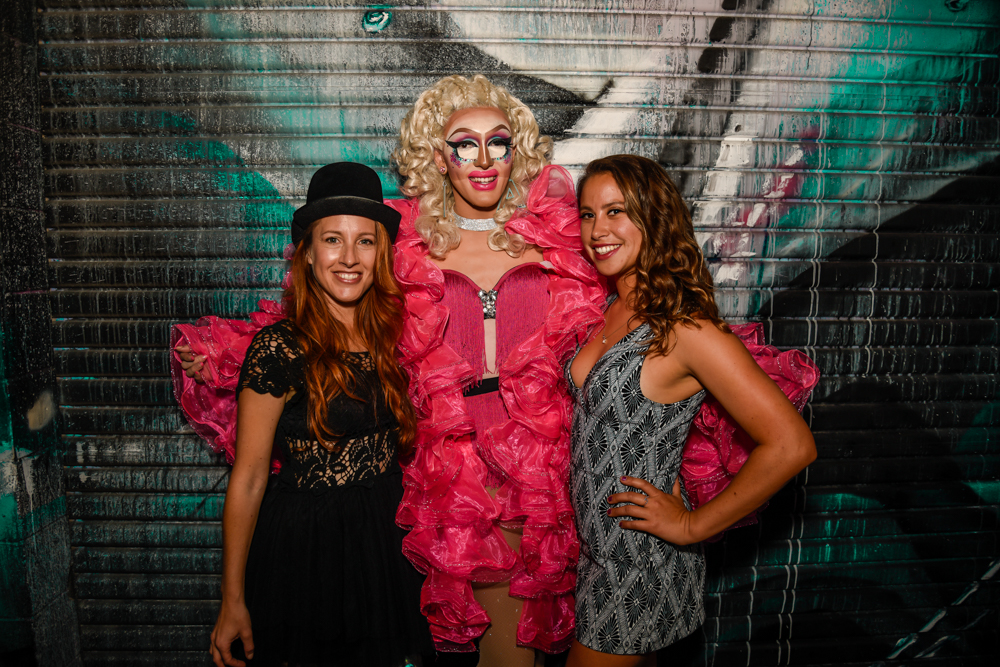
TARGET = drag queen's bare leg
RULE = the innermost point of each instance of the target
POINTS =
(498, 647)
(581, 656)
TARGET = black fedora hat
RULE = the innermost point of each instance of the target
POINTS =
(345, 188)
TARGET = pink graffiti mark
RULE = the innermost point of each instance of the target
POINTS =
(25, 128)
(786, 182)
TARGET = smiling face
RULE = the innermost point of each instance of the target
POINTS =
(478, 158)
(342, 256)
(610, 238)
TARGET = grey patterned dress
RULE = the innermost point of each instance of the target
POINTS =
(635, 593)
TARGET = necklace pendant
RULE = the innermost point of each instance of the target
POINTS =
(604, 333)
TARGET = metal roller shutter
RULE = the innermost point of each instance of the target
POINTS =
(841, 162)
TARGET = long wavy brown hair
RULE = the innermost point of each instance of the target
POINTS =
(672, 282)
(378, 321)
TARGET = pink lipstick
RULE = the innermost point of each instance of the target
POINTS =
(487, 180)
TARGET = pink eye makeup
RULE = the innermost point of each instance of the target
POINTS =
(460, 148)
(501, 148)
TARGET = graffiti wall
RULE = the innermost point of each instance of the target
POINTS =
(34, 540)
(841, 162)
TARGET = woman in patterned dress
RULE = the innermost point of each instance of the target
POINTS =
(638, 384)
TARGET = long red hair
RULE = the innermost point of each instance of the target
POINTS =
(378, 321)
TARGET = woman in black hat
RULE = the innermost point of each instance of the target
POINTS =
(313, 571)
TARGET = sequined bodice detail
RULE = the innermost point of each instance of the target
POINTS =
(367, 427)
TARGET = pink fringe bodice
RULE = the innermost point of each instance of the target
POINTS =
(522, 293)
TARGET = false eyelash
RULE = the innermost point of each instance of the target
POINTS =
(503, 141)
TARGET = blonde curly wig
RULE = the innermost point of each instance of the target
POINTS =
(422, 132)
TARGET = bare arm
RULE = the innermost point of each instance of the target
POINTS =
(256, 422)
(723, 366)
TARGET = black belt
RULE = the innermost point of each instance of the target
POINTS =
(487, 386)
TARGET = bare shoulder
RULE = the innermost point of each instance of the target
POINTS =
(703, 336)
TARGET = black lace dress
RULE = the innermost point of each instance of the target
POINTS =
(326, 580)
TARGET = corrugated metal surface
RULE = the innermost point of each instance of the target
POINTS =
(841, 160)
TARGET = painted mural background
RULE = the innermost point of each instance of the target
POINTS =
(841, 162)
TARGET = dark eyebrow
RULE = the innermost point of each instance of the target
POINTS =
(502, 126)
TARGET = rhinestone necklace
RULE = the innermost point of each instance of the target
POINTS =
(474, 224)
